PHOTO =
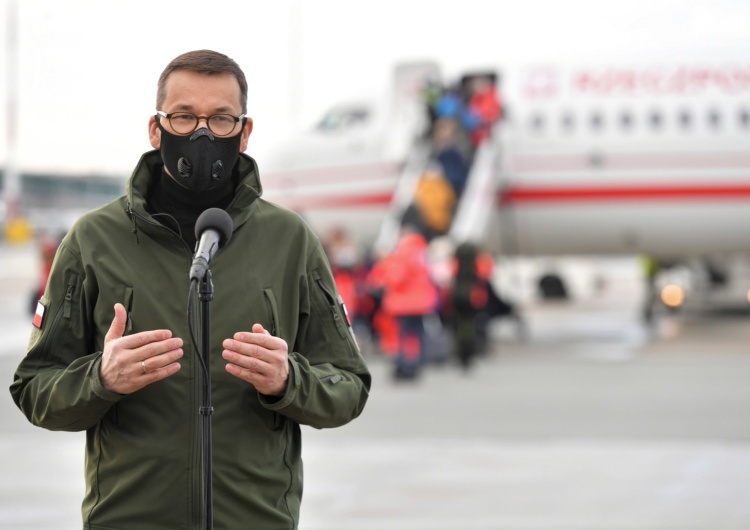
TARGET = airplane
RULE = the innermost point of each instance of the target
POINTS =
(607, 158)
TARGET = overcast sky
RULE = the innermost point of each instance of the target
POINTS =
(87, 69)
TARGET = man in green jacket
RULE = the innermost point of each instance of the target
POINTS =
(110, 351)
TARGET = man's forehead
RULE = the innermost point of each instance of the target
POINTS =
(186, 83)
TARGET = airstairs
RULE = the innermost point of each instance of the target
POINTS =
(474, 217)
(415, 165)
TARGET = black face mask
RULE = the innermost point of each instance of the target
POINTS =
(200, 161)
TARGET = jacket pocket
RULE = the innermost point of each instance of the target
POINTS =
(327, 301)
(330, 302)
(66, 311)
(127, 301)
(272, 310)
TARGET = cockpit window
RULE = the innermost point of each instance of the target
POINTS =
(337, 119)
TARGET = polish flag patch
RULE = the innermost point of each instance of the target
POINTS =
(39, 315)
(346, 314)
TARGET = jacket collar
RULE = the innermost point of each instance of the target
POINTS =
(240, 209)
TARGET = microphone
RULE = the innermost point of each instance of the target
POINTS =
(213, 230)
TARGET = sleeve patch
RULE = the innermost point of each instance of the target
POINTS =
(346, 314)
(38, 321)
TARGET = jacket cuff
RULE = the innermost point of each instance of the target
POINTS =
(292, 386)
(96, 383)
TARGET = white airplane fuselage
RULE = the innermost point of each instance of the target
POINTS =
(609, 159)
(651, 160)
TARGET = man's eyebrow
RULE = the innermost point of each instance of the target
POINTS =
(224, 109)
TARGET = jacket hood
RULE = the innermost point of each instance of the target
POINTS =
(240, 209)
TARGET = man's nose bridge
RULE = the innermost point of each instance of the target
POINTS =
(202, 119)
(202, 131)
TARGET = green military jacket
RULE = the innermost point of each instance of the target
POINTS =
(143, 450)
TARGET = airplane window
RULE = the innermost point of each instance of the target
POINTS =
(685, 119)
(537, 122)
(567, 122)
(744, 118)
(626, 120)
(596, 121)
(714, 118)
(655, 119)
(359, 115)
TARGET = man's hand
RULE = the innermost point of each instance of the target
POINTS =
(132, 362)
(260, 359)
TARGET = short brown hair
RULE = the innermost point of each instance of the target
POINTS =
(204, 62)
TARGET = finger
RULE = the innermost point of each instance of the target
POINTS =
(250, 376)
(153, 375)
(155, 363)
(262, 339)
(117, 328)
(241, 352)
(271, 383)
(258, 328)
(252, 364)
(153, 350)
(147, 338)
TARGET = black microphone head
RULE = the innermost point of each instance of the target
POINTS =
(215, 219)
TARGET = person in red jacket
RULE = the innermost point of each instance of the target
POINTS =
(409, 294)
(484, 103)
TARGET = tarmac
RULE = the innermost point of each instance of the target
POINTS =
(593, 421)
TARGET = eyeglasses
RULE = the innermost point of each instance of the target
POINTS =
(185, 122)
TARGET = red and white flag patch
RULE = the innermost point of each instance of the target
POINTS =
(39, 315)
(346, 314)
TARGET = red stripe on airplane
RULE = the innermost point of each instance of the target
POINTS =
(514, 195)
(338, 201)
(519, 195)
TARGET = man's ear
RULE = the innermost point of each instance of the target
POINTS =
(154, 134)
(245, 134)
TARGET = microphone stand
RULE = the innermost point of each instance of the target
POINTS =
(206, 295)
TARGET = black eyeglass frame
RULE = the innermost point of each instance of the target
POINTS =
(237, 119)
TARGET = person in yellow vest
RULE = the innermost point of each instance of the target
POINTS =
(435, 200)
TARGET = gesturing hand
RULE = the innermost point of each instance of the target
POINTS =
(132, 362)
(258, 358)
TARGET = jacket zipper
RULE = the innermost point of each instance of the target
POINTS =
(68, 302)
(270, 308)
(337, 319)
(65, 310)
(331, 301)
(197, 508)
